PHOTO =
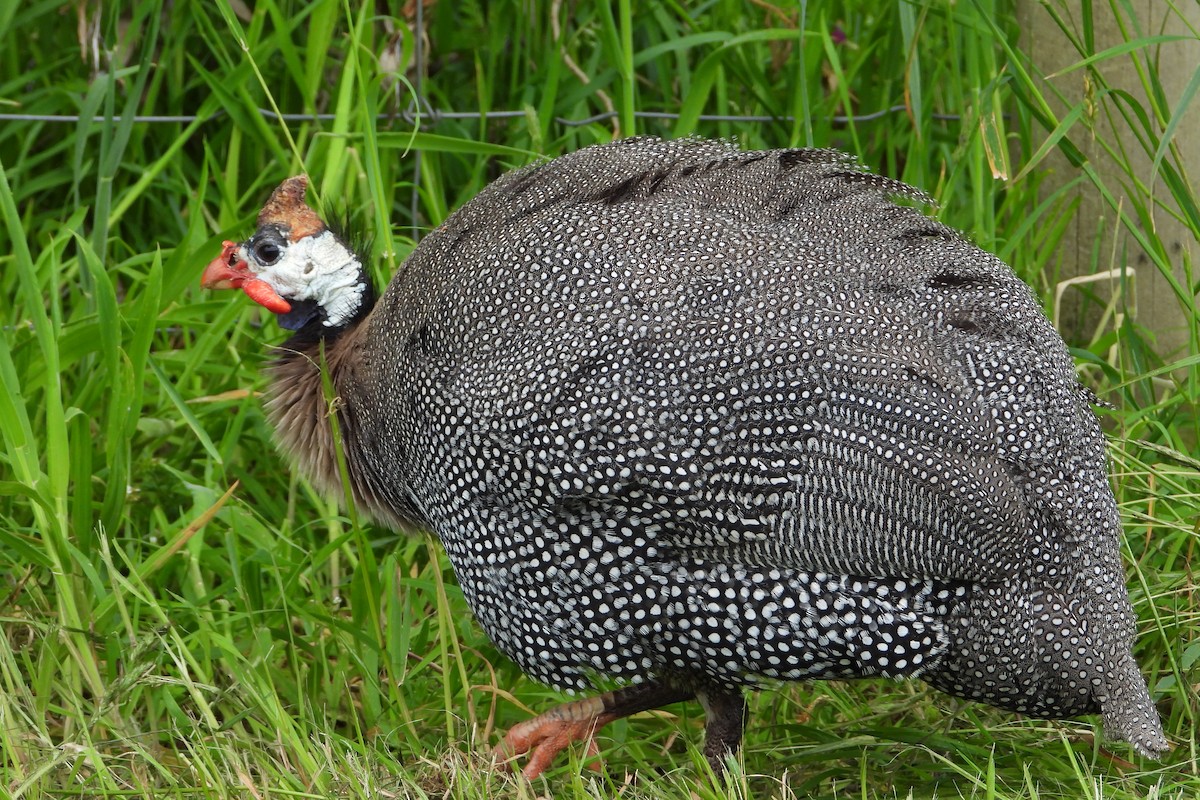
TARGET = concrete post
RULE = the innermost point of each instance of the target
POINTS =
(1097, 250)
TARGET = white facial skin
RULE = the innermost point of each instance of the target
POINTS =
(318, 268)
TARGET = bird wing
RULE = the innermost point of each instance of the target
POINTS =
(847, 455)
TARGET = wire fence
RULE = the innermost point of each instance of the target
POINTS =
(433, 116)
(420, 111)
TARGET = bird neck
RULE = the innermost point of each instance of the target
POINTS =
(297, 402)
(318, 372)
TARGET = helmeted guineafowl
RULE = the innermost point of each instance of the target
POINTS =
(690, 418)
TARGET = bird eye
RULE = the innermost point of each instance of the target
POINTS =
(267, 253)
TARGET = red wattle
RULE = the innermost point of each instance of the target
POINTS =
(261, 292)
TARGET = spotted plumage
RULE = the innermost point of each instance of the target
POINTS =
(697, 419)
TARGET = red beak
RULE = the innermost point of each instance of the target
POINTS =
(227, 272)
(222, 272)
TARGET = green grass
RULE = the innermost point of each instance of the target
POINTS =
(182, 617)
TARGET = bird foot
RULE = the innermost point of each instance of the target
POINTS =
(548, 734)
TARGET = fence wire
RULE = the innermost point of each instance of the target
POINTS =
(433, 116)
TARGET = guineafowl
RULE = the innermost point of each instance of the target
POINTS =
(690, 419)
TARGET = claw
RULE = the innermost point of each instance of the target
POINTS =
(548, 734)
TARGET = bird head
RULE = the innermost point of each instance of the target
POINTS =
(294, 265)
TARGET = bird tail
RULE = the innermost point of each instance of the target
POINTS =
(1129, 714)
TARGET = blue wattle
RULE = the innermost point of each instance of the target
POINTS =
(302, 313)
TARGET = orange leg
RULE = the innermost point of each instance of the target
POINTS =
(548, 734)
